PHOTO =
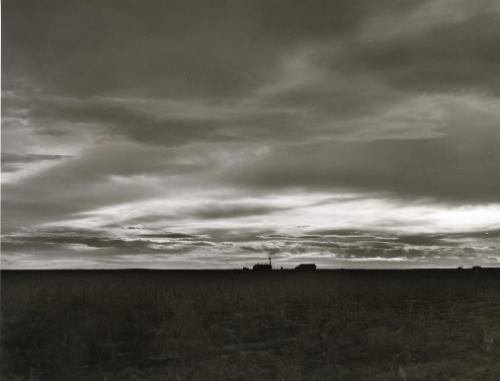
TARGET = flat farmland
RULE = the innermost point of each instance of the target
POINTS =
(241, 325)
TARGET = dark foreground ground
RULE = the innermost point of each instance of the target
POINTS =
(232, 325)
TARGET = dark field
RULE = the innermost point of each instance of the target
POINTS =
(232, 325)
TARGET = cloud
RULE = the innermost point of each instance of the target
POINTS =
(230, 47)
(55, 247)
(442, 59)
(268, 121)
(15, 159)
(458, 163)
(297, 212)
(234, 211)
(16, 166)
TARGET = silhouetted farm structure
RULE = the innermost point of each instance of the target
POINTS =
(306, 267)
(263, 266)
(269, 267)
(259, 267)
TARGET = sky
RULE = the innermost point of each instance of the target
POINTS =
(213, 134)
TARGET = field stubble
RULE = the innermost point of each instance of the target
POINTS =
(238, 326)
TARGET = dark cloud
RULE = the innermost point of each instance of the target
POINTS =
(58, 239)
(172, 48)
(14, 158)
(12, 161)
(481, 234)
(232, 211)
(452, 57)
(194, 49)
(461, 165)
(118, 121)
(170, 235)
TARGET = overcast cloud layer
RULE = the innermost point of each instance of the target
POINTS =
(192, 134)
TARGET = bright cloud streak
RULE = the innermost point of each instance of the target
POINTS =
(294, 213)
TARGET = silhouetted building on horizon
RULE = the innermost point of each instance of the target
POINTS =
(263, 266)
(306, 267)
